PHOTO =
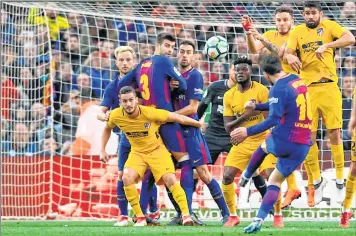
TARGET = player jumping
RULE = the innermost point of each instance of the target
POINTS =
(237, 160)
(124, 61)
(315, 42)
(290, 139)
(140, 125)
(273, 40)
(187, 104)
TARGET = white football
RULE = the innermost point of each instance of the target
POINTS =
(216, 47)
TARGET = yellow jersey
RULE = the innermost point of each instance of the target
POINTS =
(278, 39)
(306, 41)
(234, 103)
(142, 131)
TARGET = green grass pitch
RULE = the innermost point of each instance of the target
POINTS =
(104, 228)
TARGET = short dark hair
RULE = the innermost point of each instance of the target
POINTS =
(242, 60)
(312, 4)
(126, 90)
(165, 36)
(284, 9)
(187, 42)
(270, 63)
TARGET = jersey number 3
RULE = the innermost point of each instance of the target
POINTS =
(145, 91)
(303, 102)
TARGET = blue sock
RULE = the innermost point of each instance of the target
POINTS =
(145, 195)
(256, 160)
(121, 198)
(218, 197)
(153, 198)
(187, 182)
(268, 201)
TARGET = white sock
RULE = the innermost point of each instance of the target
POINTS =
(233, 214)
(339, 181)
(278, 213)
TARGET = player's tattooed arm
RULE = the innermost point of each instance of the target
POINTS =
(270, 46)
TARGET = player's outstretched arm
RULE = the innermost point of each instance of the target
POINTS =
(184, 120)
(129, 79)
(346, 39)
(104, 140)
(190, 109)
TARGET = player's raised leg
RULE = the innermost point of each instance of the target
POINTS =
(285, 166)
(267, 167)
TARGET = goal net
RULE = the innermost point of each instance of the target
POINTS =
(57, 59)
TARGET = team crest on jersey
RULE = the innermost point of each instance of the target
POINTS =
(147, 125)
(319, 31)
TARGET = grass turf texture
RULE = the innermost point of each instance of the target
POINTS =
(76, 228)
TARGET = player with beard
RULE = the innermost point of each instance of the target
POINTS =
(315, 42)
(273, 41)
(240, 154)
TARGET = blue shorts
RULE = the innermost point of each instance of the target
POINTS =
(172, 137)
(290, 155)
(124, 150)
(197, 147)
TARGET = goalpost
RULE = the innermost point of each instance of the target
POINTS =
(56, 60)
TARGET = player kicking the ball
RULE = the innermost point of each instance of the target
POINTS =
(273, 41)
(239, 156)
(140, 125)
(290, 139)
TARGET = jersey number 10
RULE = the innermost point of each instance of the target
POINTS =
(303, 102)
(145, 93)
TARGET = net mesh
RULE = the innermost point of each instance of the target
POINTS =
(57, 59)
